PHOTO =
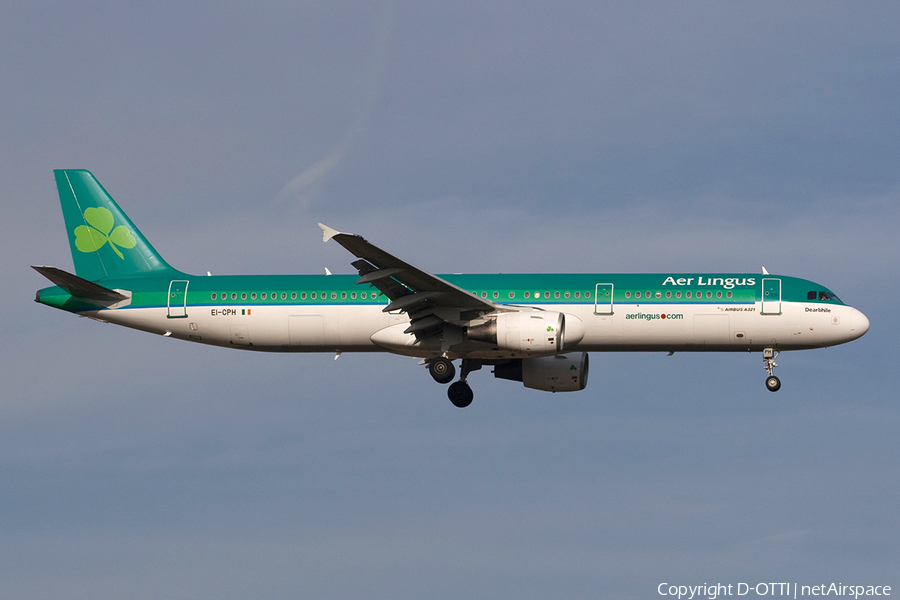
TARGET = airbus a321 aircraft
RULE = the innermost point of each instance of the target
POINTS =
(535, 329)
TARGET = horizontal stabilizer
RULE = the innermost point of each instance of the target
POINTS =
(78, 287)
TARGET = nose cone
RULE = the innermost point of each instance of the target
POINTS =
(859, 324)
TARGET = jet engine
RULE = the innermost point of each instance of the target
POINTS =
(560, 373)
(533, 332)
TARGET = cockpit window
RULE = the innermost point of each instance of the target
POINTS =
(822, 295)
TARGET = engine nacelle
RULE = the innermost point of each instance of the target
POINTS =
(560, 373)
(531, 332)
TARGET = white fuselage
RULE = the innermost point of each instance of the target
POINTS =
(631, 327)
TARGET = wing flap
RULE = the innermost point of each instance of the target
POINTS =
(378, 274)
(408, 302)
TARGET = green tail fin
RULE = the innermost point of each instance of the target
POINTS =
(104, 241)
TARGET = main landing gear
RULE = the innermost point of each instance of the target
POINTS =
(460, 394)
(773, 384)
(443, 371)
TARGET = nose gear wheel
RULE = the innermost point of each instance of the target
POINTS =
(773, 384)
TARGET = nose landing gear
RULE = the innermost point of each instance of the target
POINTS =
(773, 384)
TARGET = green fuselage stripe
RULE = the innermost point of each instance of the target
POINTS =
(523, 289)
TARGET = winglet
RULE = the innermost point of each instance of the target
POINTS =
(328, 232)
(764, 271)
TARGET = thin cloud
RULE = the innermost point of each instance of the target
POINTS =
(304, 188)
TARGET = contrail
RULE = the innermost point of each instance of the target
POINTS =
(304, 188)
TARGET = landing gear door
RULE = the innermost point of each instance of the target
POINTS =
(178, 299)
(771, 296)
(603, 299)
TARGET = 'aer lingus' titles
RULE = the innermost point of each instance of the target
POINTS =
(726, 282)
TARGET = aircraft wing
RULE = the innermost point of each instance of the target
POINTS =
(431, 302)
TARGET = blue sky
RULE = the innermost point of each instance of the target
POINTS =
(465, 137)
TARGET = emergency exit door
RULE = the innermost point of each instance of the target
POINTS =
(603, 299)
(771, 296)
(178, 299)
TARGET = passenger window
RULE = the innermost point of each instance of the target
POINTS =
(719, 294)
(556, 294)
(253, 296)
(496, 295)
(293, 295)
(263, 296)
(303, 295)
(334, 295)
(578, 294)
(668, 294)
(687, 294)
(233, 296)
(528, 294)
(214, 296)
(709, 294)
(343, 295)
(659, 294)
(628, 294)
(353, 295)
(363, 295)
(512, 294)
(243, 295)
(678, 294)
(729, 294)
(313, 295)
(567, 294)
(587, 294)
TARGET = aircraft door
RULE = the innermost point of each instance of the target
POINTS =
(178, 299)
(603, 299)
(771, 296)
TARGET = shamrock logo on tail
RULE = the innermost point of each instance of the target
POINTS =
(101, 221)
